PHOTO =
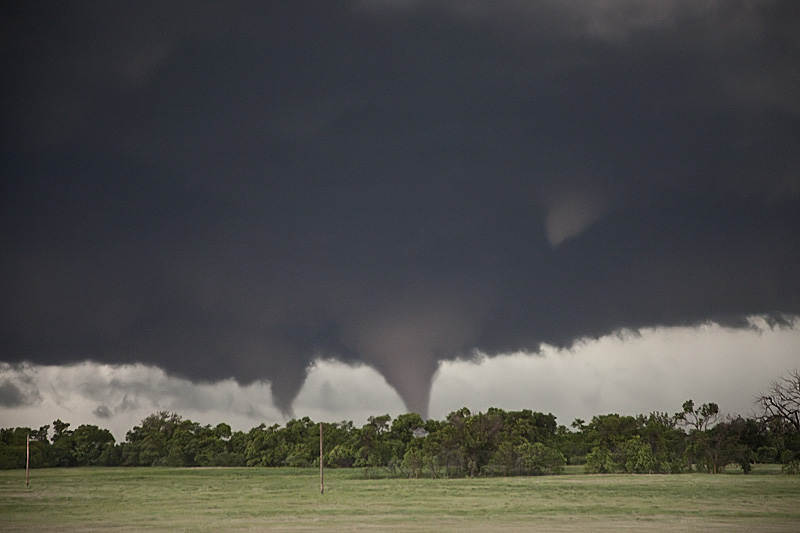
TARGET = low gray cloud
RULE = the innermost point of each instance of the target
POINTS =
(18, 387)
(102, 411)
(10, 395)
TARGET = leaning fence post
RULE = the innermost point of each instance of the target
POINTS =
(28, 460)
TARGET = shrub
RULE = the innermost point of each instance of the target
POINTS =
(787, 457)
(601, 461)
(767, 454)
(637, 456)
(792, 467)
(413, 462)
(538, 459)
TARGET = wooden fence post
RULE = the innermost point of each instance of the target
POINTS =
(28, 460)
(321, 467)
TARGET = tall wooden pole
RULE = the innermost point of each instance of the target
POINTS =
(321, 467)
(28, 460)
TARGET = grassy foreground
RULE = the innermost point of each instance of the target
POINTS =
(254, 499)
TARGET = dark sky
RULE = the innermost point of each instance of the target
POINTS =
(233, 189)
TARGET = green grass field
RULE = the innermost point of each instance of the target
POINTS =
(254, 499)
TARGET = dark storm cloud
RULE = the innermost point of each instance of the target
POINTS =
(230, 190)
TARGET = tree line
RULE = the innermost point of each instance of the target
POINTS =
(494, 443)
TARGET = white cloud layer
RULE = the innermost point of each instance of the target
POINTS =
(655, 370)
(119, 397)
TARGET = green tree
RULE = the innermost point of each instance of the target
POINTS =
(720, 446)
(528, 426)
(12, 447)
(149, 444)
(698, 419)
(265, 446)
(402, 431)
(370, 443)
(475, 437)
(63, 445)
(88, 444)
(301, 439)
(642, 444)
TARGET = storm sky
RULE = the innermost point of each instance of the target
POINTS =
(232, 192)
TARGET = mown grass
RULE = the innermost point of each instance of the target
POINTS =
(254, 499)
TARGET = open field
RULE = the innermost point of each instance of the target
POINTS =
(254, 499)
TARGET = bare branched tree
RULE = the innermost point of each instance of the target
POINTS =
(782, 401)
